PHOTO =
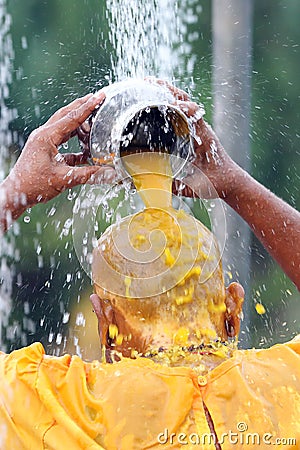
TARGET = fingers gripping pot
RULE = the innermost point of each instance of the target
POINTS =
(138, 116)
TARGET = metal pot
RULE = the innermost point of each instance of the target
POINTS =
(139, 116)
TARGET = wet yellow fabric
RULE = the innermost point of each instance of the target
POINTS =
(64, 403)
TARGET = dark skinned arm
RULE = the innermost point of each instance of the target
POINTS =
(41, 172)
(275, 223)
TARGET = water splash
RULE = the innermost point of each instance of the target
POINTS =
(151, 37)
(6, 114)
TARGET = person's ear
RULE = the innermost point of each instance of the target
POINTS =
(108, 315)
(104, 313)
(234, 304)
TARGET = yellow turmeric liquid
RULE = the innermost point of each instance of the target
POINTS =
(179, 317)
(152, 176)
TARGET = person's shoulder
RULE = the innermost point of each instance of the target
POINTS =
(22, 364)
(287, 351)
(29, 359)
(32, 352)
(294, 344)
(272, 366)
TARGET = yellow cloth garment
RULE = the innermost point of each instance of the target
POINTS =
(64, 403)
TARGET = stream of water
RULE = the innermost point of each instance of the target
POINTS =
(150, 38)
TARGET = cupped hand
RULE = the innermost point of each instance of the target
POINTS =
(41, 172)
(209, 172)
(212, 165)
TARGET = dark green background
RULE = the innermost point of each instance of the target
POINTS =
(67, 53)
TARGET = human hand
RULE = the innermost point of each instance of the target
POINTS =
(41, 172)
(213, 163)
(215, 167)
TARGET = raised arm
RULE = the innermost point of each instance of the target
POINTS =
(41, 172)
(274, 222)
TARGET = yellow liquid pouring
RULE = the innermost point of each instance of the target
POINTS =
(179, 317)
(152, 176)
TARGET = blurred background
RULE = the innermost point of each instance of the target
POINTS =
(54, 51)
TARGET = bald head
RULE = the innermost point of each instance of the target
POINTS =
(159, 277)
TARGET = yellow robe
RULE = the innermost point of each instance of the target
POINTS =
(63, 403)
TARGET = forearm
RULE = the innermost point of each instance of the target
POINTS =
(274, 222)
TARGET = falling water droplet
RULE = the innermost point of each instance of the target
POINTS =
(66, 317)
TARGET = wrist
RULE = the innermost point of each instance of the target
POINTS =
(239, 185)
(227, 178)
(234, 180)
